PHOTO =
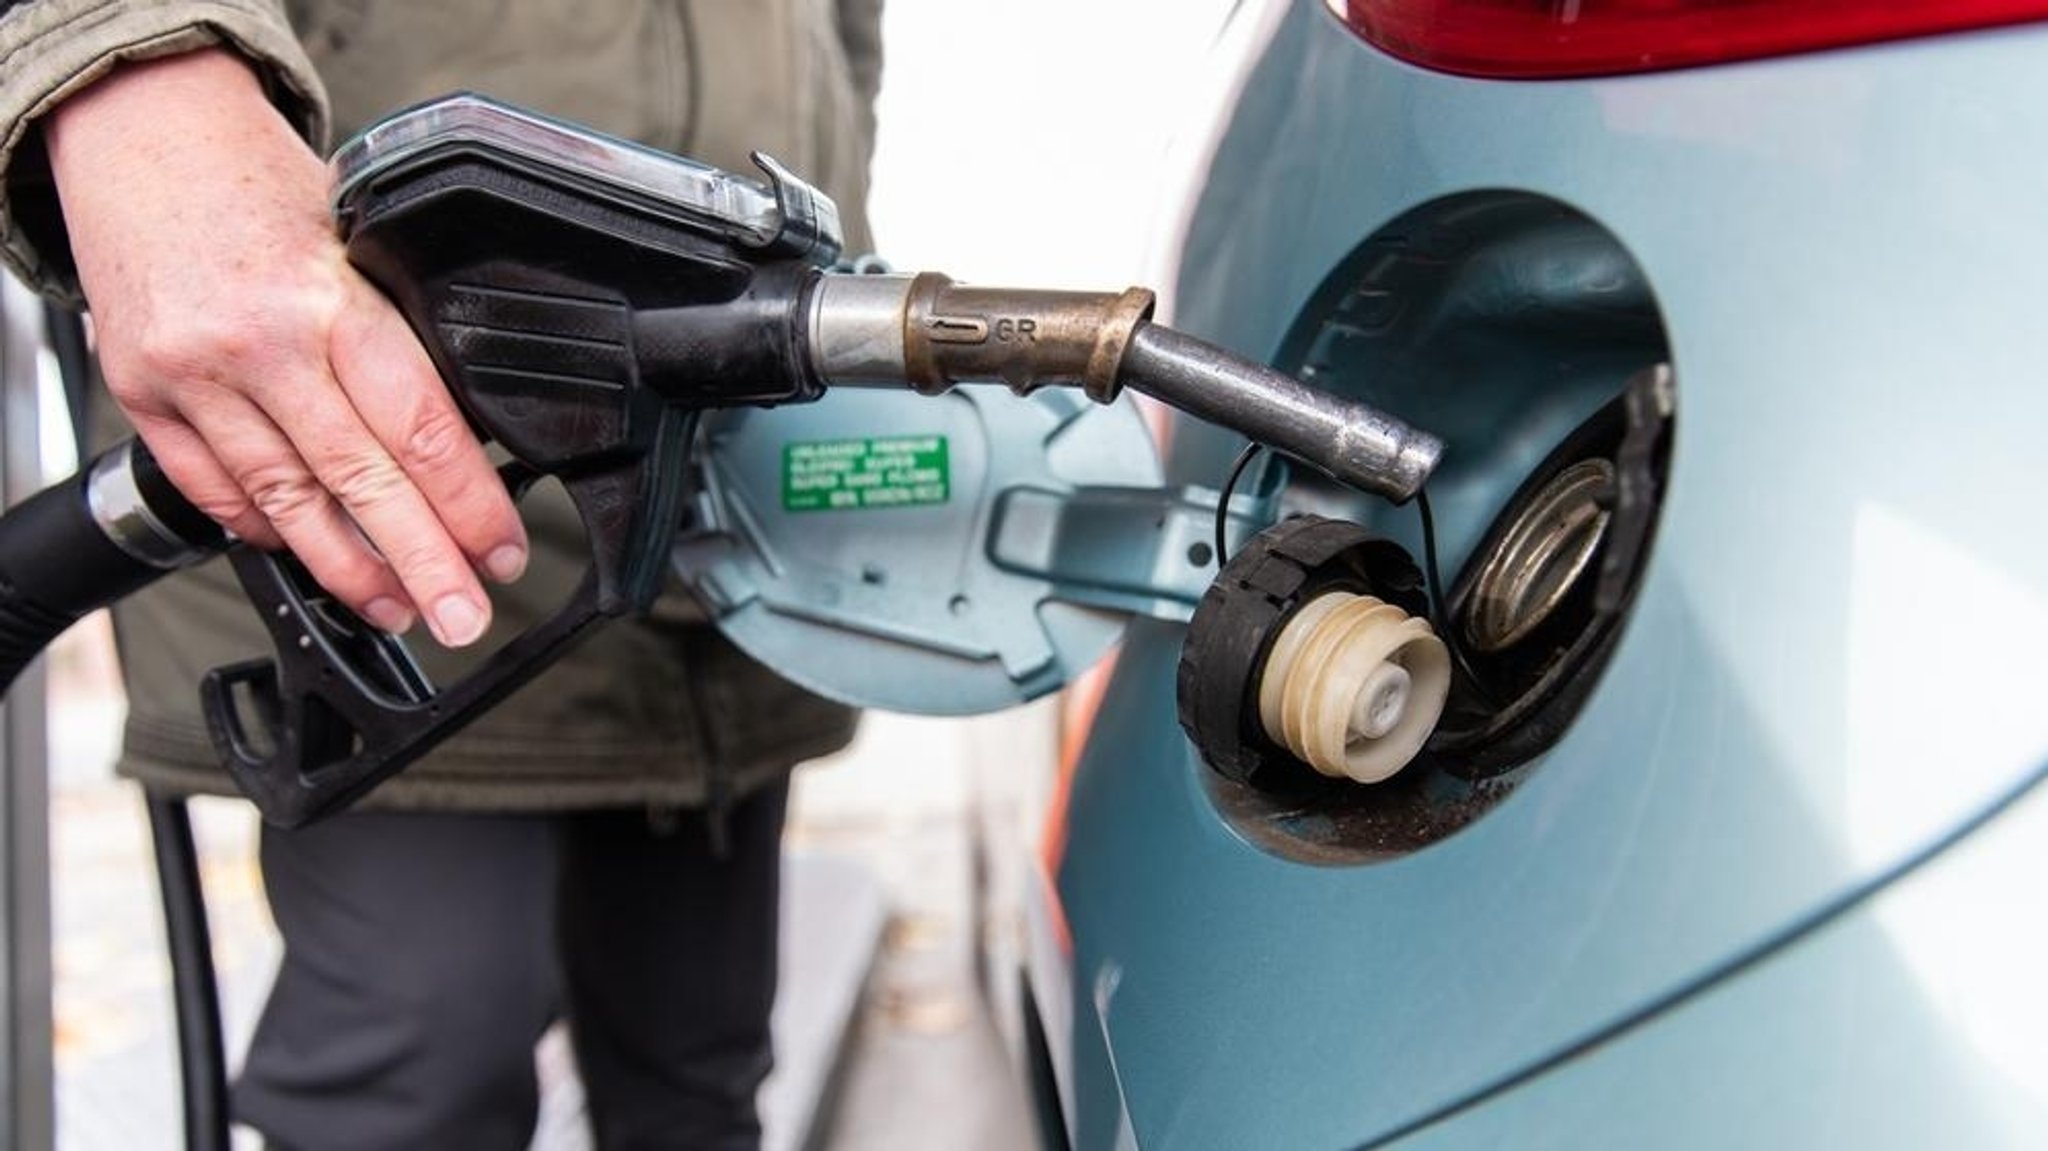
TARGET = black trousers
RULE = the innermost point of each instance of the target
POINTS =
(425, 954)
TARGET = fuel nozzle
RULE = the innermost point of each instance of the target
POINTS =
(932, 333)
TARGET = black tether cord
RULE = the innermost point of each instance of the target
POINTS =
(1244, 460)
(195, 993)
(66, 330)
(1446, 629)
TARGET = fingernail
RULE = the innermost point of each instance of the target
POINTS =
(457, 621)
(506, 563)
(388, 614)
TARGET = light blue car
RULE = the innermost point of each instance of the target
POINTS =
(1731, 314)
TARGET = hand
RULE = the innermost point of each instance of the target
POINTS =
(282, 393)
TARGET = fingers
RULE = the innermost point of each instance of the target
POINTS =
(347, 480)
(327, 470)
(356, 459)
(396, 391)
(281, 492)
(199, 477)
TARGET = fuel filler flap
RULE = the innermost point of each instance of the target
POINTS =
(942, 555)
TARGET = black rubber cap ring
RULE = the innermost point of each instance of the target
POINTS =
(1243, 612)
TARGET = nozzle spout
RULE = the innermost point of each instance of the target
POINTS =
(1351, 442)
(930, 333)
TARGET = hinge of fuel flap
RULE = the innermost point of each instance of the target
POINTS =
(1141, 551)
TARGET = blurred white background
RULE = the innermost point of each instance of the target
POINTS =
(1026, 142)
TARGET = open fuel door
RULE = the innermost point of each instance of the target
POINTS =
(945, 555)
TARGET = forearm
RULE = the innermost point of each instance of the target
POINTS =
(133, 154)
(52, 50)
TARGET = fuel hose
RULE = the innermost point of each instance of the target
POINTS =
(69, 550)
(65, 552)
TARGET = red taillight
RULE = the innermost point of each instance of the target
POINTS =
(1535, 39)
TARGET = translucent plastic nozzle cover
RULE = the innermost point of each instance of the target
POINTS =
(710, 196)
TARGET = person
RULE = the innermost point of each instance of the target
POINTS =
(161, 163)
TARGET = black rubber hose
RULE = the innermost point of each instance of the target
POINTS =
(202, 1055)
(57, 565)
(52, 549)
(37, 541)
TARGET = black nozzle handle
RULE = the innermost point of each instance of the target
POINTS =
(70, 549)
(342, 707)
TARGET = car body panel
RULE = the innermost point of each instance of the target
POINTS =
(1916, 1019)
(1833, 659)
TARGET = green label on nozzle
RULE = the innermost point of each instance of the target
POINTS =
(852, 475)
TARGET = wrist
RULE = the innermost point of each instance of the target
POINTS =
(62, 49)
(151, 103)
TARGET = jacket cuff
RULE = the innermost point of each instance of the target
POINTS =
(51, 49)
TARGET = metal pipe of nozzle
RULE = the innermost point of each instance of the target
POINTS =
(1350, 441)
(930, 333)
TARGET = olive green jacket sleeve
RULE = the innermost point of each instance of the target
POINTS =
(51, 49)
